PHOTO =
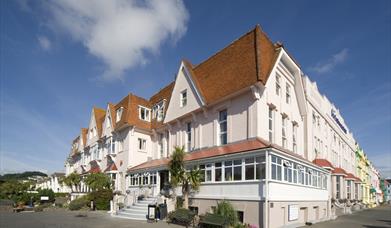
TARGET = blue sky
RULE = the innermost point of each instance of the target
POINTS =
(55, 62)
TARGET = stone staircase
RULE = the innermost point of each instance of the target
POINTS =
(138, 211)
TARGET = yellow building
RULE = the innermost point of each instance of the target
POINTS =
(363, 166)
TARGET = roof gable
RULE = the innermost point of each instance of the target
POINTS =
(108, 123)
(184, 83)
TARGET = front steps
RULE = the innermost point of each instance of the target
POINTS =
(138, 211)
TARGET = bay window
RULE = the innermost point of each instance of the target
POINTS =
(237, 169)
(228, 174)
(218, 171)
(276, 164)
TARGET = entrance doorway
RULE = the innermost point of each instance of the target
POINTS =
(164, 180)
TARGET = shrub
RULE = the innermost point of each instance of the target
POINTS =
(181, 216)
(78, 203)
(225, 209)
(101, 198)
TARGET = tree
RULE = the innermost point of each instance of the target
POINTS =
(97, 181)
(72, 180)
(189, 180)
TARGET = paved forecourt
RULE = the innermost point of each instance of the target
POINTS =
(379, 217)
(71, 219)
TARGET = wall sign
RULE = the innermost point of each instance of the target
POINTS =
(338, 121)
(293, 212)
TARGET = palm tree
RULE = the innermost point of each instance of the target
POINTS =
(98, 181)
(189, 180)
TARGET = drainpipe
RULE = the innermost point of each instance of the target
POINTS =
(266, 193)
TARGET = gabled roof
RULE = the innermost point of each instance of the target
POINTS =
(244, 62)
(323, 163)
(99, 118)
(130, 115)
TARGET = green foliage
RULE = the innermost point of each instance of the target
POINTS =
(225, 209)
(98, 181)
(16, 191)
(72, 180)
(190, 180)
(21, 176)
(46, 192)
(101, 198)
(181, 216)
(79, 203)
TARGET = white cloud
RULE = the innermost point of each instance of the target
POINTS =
(120, 32)
(44, 42)
(331, 63)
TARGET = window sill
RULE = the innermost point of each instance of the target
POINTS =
(142, 151)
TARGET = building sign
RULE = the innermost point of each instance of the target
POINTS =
(43, 198)
(338, 121)
(293, 212)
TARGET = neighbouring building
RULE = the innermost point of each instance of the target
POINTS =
(52, 182)
(262, 135)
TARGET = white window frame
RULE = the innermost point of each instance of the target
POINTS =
(142, 144)
(188, 136)
(287, 93)
(278, 85)
(118, 114)
(294, 137)
(271, 124)
(147, 113)
(220, 123)
(183, 98)
(283, 132)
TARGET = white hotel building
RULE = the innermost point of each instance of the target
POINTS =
(257, 128)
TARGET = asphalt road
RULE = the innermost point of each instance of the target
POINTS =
(379, 217)
(65, 219)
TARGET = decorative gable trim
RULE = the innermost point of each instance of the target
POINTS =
(190, 77)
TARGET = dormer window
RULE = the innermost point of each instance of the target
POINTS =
(184, 98)
(158, 111)
(144, 113)
(119, 114)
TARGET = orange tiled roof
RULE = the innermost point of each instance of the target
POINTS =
(130, 105)
(323, 163)
(233, 148)
(339, 171)
(99, 118)
(237, 147)
(241, 64)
